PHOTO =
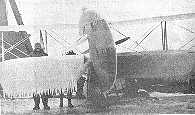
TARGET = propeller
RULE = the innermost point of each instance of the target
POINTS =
(122, 40)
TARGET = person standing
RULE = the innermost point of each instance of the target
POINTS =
(36, 98)
(80, 85)
(44, 98)
(39, 52)
(69, 97)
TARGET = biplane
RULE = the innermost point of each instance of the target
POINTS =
(115, 71)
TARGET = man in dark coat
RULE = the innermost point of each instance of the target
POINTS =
(69, 97)
(44, 98)
(80, 85)
(36, 98)
(38, 51)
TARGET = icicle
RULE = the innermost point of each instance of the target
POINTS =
(61, 91)
(57, 92)
(14, 74)
(53, 92)
(64, 90)
(49, 92)
(74, 89)
(3, 95)
(46, 92)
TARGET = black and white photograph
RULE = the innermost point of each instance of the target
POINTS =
(100, 57)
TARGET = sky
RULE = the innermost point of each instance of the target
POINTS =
(47, 12)
(57, 12)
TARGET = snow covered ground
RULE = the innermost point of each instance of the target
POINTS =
(167, 103)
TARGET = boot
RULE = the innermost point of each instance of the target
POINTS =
(45, 103)
(46, 107)
(61, 101)
(69, 103)
(36, 108)
(69, 95)
(37, 102)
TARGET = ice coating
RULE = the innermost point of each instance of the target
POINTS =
(38, 74)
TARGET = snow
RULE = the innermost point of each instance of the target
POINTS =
(159, 94)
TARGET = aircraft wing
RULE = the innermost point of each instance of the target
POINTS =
(133, 21)
(38, 74)
(157, 19)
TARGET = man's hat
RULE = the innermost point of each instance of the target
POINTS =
(37, 45)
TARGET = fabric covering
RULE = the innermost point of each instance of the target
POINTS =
(162, 65)
(38, 74)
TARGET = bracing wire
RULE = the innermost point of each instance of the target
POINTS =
(59, 36)
(59, 41)
(186, 43)
(191, 47)
(147, 35)
(66, 40)
(116, 30)
(184, 28)
(55, 39)
(111, 26)
(16, 44)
